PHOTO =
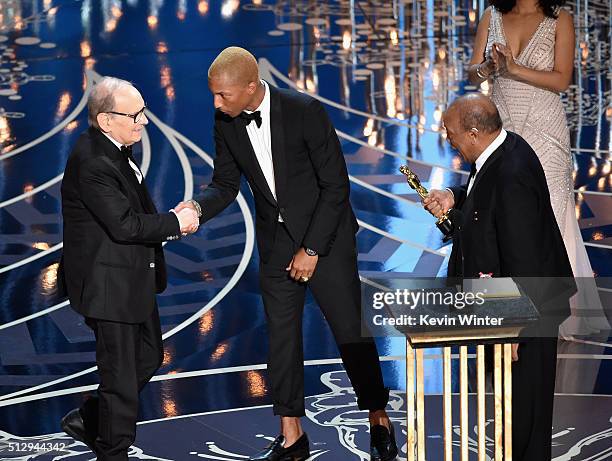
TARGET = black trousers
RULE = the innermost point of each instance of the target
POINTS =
(128, 355)
(336, 288)
(533, 393)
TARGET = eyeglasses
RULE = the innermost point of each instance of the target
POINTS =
(137, 117)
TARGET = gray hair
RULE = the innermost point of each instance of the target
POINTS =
(102, 98)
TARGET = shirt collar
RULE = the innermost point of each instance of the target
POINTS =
(498, 141)
(115, 142)
(264, 106)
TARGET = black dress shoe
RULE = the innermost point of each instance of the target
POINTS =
(382, 443)
(74, 426)
(299, 451)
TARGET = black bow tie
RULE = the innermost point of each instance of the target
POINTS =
(252, 116)
(127, 150)
(473, 170)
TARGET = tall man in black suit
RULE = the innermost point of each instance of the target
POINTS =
(286, 146)
(505, 226)
(113, 264)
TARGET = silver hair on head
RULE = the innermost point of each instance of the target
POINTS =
(102, 99)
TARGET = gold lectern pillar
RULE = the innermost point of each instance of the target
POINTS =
(415, 400)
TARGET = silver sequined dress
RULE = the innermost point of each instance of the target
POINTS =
(539, 117)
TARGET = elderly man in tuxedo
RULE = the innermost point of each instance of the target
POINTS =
(504, 225)
(113, 264)
(286, 146)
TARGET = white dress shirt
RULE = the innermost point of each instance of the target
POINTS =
(137, 171)
(482, 158)
(261, 140)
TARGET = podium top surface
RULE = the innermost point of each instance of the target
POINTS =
(491, 317)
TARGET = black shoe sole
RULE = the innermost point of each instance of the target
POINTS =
(391, 457)
(77, 437)
(296, 458)
(301, 455)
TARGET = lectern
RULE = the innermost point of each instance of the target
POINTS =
(498, 321)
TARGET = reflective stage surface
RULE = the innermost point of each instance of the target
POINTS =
(385, 71)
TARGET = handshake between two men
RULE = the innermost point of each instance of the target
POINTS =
(188, 214)
(289, 242)
(300, 268)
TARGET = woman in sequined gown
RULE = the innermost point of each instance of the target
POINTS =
(525, 50)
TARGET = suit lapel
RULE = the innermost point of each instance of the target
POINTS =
(278, 145)
(468, 203)
(117, 159)
(139, 188)
(490, 161)
(245, 148)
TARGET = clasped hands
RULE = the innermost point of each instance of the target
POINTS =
(500, 61)
(187, 217)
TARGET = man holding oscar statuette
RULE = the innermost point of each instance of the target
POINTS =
(505, 226)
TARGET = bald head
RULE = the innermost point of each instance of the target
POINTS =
(475, 110)
(472, 122)
(236, 65)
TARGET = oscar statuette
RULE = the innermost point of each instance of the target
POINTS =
(444, 223)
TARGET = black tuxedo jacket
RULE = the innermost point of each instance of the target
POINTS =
(506, 227)
(311, 179)
(112, 263)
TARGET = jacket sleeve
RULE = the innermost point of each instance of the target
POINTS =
(329, 165)
(101, 192)
(459, 193)
(225, 183)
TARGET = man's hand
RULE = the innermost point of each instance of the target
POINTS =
(188, 220)
(183, 205)
(438, 202)
(302, 266)
(515, 347)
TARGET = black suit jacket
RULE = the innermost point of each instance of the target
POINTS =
(311, 179)
(113, 262)
(507, 228)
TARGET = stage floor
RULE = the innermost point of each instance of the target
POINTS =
(384, 71)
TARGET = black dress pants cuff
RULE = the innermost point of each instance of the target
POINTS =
(296, 410)
(374, 401)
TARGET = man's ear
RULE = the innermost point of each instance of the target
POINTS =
(473, 134)
(253, 87)
(103, 121)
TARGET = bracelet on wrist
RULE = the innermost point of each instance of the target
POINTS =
(197, 207)
(479, 72)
